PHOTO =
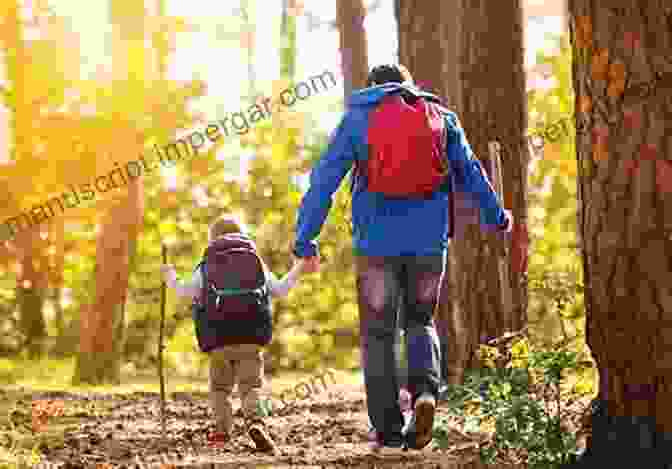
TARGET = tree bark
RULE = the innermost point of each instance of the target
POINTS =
(625, 220)
(429, 47)
(32, 287)
(350, 15)
(494, 109)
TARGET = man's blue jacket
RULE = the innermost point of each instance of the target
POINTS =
(384, 226)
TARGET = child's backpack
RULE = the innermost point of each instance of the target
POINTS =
(406, 140)
(235, 306)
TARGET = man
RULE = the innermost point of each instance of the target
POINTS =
(399, 242)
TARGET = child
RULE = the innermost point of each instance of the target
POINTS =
(233, 321)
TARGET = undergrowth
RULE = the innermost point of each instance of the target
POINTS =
(519, 400)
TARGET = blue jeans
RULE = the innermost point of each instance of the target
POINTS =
(382, 282)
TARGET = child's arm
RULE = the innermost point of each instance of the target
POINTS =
(191, 288)
(280, 288)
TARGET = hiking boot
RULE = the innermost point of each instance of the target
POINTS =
(419, 430)
(262, 440)
(218, 438)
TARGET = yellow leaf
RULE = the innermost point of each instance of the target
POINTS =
(520, 349)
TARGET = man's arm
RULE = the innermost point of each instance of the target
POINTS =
(325, 179)
(470, 178)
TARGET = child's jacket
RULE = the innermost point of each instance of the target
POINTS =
(385, 226)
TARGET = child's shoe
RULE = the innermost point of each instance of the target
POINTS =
(262, 440)
(218, 438)
(395, 442)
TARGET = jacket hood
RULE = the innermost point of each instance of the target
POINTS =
(374, 94)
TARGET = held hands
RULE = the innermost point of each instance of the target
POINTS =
(308, 264)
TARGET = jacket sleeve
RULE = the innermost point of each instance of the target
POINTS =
(469, 176)
(190, 288)
(325, 179)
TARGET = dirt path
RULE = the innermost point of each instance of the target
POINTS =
(328, 430)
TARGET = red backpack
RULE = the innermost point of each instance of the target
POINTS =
(406, 140)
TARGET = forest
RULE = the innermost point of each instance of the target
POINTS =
(127, 127)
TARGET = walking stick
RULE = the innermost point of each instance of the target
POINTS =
(503, 261)
(162, 380)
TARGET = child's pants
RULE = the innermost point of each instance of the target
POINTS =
(243, 364)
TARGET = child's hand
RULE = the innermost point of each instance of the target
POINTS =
(167, 268)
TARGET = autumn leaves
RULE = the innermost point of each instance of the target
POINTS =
(613, 103)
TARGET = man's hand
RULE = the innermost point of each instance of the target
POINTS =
(508, 225)
(166, 269)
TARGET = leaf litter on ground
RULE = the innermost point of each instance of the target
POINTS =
(328, 429)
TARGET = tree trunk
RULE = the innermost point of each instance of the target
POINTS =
(494, 109)
(625, 221)
(429, 47)
(102, 325)
(350, 16)
(32, 287)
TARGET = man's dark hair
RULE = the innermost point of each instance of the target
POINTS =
(388, 73)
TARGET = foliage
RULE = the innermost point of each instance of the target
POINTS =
(555, 270)
(522, 407)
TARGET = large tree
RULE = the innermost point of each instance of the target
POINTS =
(429, 37)
(491, 281)
(103, 322)
(350, 16)
(625, 220)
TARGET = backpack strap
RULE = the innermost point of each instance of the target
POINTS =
(450, 175)
(200, 267)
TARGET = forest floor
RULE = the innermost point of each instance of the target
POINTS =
(109, 429)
